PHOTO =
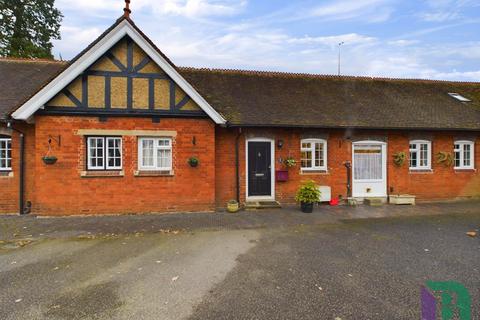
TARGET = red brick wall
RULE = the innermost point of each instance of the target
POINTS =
(9, 185)
(60, 189)
(441, 183)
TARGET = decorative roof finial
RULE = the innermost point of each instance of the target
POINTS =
(126, 10)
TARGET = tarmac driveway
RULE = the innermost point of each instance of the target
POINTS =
(128, 277)
(368, 269)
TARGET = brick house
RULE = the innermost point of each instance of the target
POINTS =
(123, 121)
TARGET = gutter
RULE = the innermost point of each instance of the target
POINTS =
(21, 192)
(347, 127)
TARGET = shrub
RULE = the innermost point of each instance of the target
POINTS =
(308, 192)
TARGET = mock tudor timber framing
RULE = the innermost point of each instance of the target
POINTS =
(123, 28)
(129, 72)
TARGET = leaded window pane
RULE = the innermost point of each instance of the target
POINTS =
(306, 159)
(419, 155)
(306, 145)
(466, 155)
(147, 153)
(156, 154)
(104, 153)
(413, 159)
(319, 158)
(424, 155)
(114, 153)
(463, 155)
(457, 159)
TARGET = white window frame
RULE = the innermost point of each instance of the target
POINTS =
(417, 150)
(105, 155)
(8, 147)
(461, 150)
(156, 147)
(313, 142)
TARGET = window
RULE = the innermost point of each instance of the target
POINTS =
(420, 155)
(463, 154)
(104, 153)
(314, 154)
(155, 154)
(368, 162)
(5, 154)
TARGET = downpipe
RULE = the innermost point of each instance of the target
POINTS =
(348, 166)
(21, 192)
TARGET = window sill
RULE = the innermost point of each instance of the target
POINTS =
(6, 174)
(421, 171)
(102, 174)
(314, 172)
(464, 170)
(164, 173)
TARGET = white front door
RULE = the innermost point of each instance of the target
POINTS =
(369, 169)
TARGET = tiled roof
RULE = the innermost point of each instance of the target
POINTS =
(20, 78)
(254, 98)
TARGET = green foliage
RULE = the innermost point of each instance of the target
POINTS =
(445, 158)
(27, 28)
(290, 162)
(399, 158)
(193, 161)
(308, 192)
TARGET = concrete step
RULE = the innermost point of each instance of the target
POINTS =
(374, 202)
(258, 205)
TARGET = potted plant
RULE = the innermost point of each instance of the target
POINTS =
(49, 159)
(307, 195)
(193, 162)
(233, 206)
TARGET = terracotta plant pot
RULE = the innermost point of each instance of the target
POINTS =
(49, 160)
(307, 207)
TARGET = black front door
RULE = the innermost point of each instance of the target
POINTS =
(259, 169)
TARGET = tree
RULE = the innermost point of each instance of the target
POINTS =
(27, 28)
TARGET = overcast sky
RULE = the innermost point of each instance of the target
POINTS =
(437, 39)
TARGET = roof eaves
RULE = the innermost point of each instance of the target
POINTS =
(307, 126)
(68, 63)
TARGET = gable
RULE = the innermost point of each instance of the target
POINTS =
(122, 72)
(124, 79)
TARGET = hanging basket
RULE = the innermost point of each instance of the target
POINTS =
(399, 158)
(49, 160)
(445, 158)
(193, 162)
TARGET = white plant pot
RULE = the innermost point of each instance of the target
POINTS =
(402, 199)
